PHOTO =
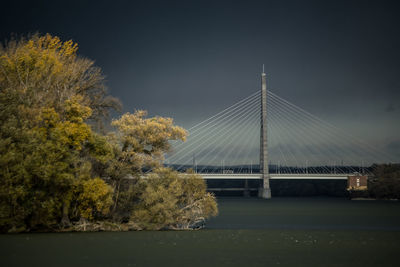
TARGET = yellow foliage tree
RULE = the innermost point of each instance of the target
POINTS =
(139, 142)
(169, 200)
(94, 198)
(60, 160)
(50, 158)
(145, 140)
(44, 71)
(47, 94)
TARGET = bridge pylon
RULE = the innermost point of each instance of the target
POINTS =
(264, 190)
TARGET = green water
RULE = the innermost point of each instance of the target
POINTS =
(248, 232)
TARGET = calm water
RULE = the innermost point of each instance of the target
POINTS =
(248, 232)
(307, 214)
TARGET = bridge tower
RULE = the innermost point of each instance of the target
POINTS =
(264, 190)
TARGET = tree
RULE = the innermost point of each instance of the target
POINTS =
(94, 199)
(43, 71)
(138, 143)
(52, 161)
(54, 167)
(162, 198)
(169, 200)
(47, 93)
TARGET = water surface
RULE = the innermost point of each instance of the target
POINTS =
(307, 214)
(248, 232)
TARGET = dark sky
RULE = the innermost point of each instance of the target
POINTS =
(188, 59)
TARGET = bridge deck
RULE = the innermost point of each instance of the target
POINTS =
(275, 176)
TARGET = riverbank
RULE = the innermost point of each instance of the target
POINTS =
(366, 198)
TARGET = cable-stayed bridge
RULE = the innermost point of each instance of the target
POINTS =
(264, 136)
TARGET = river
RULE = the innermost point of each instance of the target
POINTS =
(247, 232)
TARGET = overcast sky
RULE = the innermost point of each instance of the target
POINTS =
(340, 60)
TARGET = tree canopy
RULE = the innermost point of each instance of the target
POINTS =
(57, 169)
(169, 200)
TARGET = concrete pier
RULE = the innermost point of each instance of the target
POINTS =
(264, 190)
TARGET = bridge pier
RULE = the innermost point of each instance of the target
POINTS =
(246, 192)
(264, 190)
(264, 193)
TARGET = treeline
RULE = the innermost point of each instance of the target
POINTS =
(60, 171)
(385, 182)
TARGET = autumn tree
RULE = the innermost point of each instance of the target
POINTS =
(138, 143)
(47, 95)
(160, 198)
(55, 168)
(43, 71)
(170, 200)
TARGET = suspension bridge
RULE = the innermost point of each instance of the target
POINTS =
(263, 137)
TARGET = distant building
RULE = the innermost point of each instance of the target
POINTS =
(357, 182)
